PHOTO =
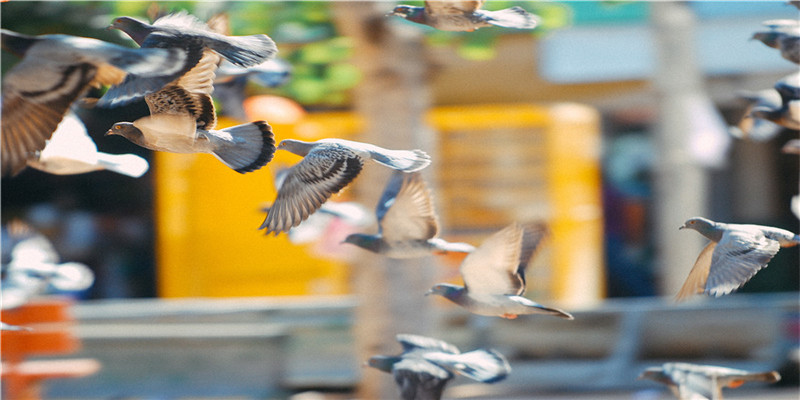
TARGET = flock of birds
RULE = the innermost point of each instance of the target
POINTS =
(175, 70)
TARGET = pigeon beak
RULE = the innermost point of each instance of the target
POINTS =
(429, 292)
(681, 227)
(109, 132)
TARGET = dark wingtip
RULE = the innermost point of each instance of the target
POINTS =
(267, 148)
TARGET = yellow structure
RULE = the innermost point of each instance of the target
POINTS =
(495, 164)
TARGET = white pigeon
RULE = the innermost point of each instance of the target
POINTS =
(698, 382)
(71, 151)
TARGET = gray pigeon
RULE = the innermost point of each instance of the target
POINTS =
(182, 120)
(784, 35)
(693, 381)
(407, 223)
(54, 72)
(33, 267)
(328, 166)
(194, 37)
(72, 151)
(757, 129)
(734, 255)
(450, 15)
(788, 114)
(426, 364)
(494, 276)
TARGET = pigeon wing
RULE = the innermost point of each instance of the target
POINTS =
(323, 172)
(414, 342)
(492, 268)
(487, 366)
(696, 281)
(405, 210)
(419, 379)
(737, 257)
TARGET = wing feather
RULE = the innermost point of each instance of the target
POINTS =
(493, 267)
(406, 213)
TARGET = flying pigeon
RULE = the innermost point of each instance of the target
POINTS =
(494, 276)
(735, 253)
(784, 35)
(688, 381)
(788, 113)
(54, 72)
(8, 327)
(71, 151)
(183, 31)
(449, 15)
(328, 166)
(407, 223)
(33, 266)
(757, 129)
(182, 120)
(426, 364)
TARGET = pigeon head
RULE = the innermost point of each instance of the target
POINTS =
(298, 147)
(136, 29)
(656, 374)
(128, 131)
(768, 38)
(369, 242)
(705, 226)
(411, 13)
(383, 363)
(446, 290)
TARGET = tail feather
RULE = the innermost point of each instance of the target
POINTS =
(245, 51)
(246, 147)
(402, 160)
(514, 17)
(126, 164)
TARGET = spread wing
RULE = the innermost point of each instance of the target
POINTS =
(696, 281)
(405, 210)
(413, 342)
(449, 7)
(737, 257)
(321, 173)
(493, 267)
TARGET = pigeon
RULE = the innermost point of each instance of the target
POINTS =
(184, 31)
(693, 381)
(54, 72)
(494, 276)
(231, 83)
(328, 166)
(426, 365)
(757, 129)
(33, 267)
(407, 223)
(465, 16)
(788, 113)
(71, 151)
(182, 120)
(734, 255)
(8, 327)
(784, 35)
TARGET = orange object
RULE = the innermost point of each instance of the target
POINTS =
(49, 334)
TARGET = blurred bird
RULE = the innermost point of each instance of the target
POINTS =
(734, 255)
(8, 327)
(194, 38)
(494, 276)
(328, 166)
(426, 364)
(757, 129)
(407, 223)
(182, 120)
(693, 381)
(71, 151)
(54, 72)
(791, 147)
(231, 82)
(453, 15)
(788, 113)
(33, 265)
(784, 35)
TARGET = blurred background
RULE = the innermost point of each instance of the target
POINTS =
(610, 122)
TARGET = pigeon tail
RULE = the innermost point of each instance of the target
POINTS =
(245, 51)
(402, 160)
(487, 366)
(245, 148)
(514, 17)
(125, 164)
